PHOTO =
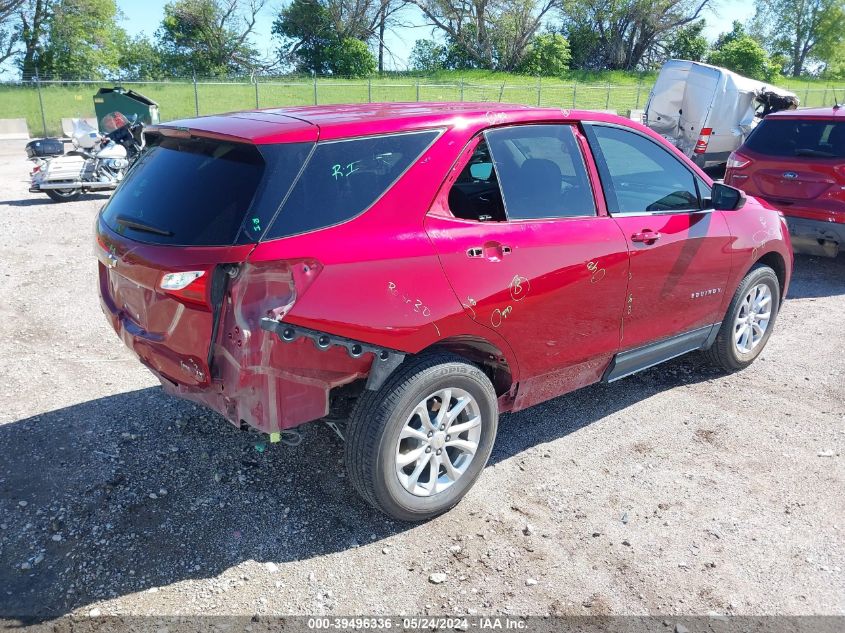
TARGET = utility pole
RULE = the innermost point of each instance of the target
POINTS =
(196, 95)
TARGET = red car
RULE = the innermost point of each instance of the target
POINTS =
(795, 160)
(421, 268)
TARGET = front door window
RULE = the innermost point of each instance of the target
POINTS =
(639, 176)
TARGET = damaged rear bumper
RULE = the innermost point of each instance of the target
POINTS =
(273, 378)
(249, 366)
(292, 383)
(289, 387)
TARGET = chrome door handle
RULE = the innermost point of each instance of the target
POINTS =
(495, 251)
(491, 250)
(647, 236)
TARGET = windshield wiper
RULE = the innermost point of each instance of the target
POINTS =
(813, 152)
(140, 226)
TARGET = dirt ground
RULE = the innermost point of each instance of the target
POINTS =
(676, 491)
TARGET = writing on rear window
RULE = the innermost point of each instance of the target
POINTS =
(344, 178)
(339, 171)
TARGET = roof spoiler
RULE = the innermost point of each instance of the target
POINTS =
(186, 133)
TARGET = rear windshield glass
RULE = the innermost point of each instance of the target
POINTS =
(798, 137)
(203, 192)
(344, 178)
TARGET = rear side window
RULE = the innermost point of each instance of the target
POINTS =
(344, 178)
(541, 171)
(638, 175)
(798, 137)
(202, 192)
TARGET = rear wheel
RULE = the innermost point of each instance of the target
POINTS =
(748, 322)
(415, 447)
(63, 195)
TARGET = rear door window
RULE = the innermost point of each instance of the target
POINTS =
(640, 176)
(789, 137)
(541, 171)
(203, 192)
(344, 178)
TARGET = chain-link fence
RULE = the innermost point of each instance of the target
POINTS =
(45, 103)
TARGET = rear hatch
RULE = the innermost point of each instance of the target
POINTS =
(176, 231)
(792, 161)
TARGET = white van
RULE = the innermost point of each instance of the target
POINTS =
(707, 111)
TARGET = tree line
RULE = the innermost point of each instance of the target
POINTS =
(81, 39)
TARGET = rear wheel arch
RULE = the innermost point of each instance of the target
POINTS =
(481, 352)
(472, 349)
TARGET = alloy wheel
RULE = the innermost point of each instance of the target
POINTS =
(438, 442)
(752, 320)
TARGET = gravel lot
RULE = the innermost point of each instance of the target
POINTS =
(676, 491)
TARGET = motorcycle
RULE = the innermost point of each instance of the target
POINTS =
(98, 162)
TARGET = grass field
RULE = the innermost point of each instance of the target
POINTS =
(178, 99)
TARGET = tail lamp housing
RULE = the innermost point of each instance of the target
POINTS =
(737, 161)
(190, 286)
(703, 140)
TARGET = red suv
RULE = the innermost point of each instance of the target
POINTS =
(421, 268)
(795, 160)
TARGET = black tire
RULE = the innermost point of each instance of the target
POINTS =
(724, 352)
(373, 434)
(63, 195)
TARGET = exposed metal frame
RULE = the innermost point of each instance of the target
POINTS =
(385, 360)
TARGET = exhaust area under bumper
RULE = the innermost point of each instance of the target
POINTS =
(42, 186)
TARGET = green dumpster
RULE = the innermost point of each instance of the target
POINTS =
(127, 102)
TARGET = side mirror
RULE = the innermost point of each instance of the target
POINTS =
(727, 198)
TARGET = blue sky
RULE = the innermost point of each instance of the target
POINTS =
(145, 17)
